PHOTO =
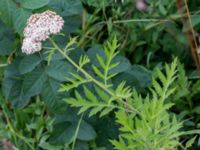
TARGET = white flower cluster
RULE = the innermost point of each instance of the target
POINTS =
(39, 28)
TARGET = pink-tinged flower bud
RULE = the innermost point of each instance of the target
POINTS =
(141, 5)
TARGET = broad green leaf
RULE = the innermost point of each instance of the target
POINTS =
(47, 146)
(86, 132)
(121, 64)
(7, 8)
(81, 145)
(20, 17)
(34, 81)
(93, 52)
(195, 20)
(11, 73)
(97, 3)
(69, 10)
(16, 94)
(59, 70)
(12, 85)
(29, 63)
(50, 94)
(33, 4)
(63, 132)
(67, 7)
(5, 46)
(6, 39)
(137, 76)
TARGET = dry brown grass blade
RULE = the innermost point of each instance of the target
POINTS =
(190, 34)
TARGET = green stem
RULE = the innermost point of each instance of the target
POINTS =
(76, 132)
(141, 20)
(107, 68)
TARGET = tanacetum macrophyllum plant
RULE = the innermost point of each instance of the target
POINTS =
(144, 122)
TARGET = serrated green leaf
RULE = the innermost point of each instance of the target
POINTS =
(90, 95)
(161, 76)
(106, 111)
(83, 109)
(98, 72)
(114, 65)
(95, 110)
(78, 96)
(105, 97)
(101, 61)
(157, 87)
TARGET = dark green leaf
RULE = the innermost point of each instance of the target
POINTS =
(20, 17)
(6, 39)
(81, 145)
(33, 4)
(86, 132)
(137, 76)
(15, 94)
(63, 133)
(29, 63)
(66, 7)
(7, 7)
(50, 93)
(59, 70)
(33, 82)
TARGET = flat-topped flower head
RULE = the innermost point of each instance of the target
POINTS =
(39, 28)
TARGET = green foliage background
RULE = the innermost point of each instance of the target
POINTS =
(33, 114)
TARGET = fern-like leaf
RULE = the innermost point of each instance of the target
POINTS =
(73, 82)
(90, 102)
(84, 59)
